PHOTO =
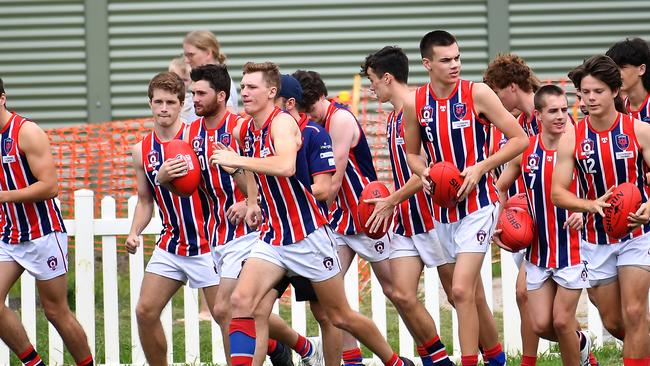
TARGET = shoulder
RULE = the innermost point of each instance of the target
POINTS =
(481, 90)
(31, 136)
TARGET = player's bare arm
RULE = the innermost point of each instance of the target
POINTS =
(286, 142)
(413, 142)
(34, 143)
(341, 126)
(563, 176)
(642, 132)
(488, 104)
(321, 186)
(253, 211)
(144, 207)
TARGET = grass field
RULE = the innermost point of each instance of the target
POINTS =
(608, 355)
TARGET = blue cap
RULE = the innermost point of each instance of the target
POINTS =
(290, 88)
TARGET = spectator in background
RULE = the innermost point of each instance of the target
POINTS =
(180, 68)
(201, 47)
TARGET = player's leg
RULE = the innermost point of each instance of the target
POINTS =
(155, 293)
(332, 337)
(529, 340)
(465, 281)
(488, 334)
(634, 283)
(222, 313)
(564, 324)
(351, 351)
(256, 280)
(261, 316)
(211, 294)
(331, 294)
(12, 331)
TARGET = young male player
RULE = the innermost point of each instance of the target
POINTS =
(633, 57)
(609, 148)
(354, 170)
(450, 109)
(294, 238)
(33, 236)
(182, 253)
(555, 273)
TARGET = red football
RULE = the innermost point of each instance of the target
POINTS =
(518, 200)
(625, 199)
(445, 183)
(187, 184)
(372, 190)
(517, 228)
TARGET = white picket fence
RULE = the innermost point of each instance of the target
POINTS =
(85, 227)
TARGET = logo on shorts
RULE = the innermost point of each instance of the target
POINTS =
(379, 247)
(584, 274)
(481, 235)
(52, 262)
(328, 262)
(215, 270)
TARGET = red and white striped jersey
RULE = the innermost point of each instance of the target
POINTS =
(291, 210)
(184, 219)
(414, 216)
(23, 221)
(553, 246)
(643, 113)
(606, 159)
(217, 184)
(451, 131)
(360, 171)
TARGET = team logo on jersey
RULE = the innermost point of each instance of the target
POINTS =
(533, 162)
(481, 235)
(153, 159)
(197, 143)
(427, 115)
(328, 263)
(460, 110)
(622, 141)
(226, 139)
(587, 147)
(8, 145)
(52, 262)
(379, 247)
(247, 144)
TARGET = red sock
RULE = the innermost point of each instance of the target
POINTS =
(636, 361)
(352, 357)
(394, 360)
(302, 346)
(30, 357)
(469, 360)
(493, 352)
(592, 359)
(88, 361)
(528, 360)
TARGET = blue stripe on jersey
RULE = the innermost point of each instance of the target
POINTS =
(563, 239)
(278, 200)
(482, 139)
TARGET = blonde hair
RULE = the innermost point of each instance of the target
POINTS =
(206, 41)
(179, 64)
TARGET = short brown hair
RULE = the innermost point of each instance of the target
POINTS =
(509, 68)
(270, 71)
(170, 82)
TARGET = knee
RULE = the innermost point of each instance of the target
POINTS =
(221, 312)
(404, 300)
(635, 313)
(541, 327)
(521, 295)
(55, 313)
(462, 294)
(564, 324)
(145, 314)
(241, 304)
(340, 318)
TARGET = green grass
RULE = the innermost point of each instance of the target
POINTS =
(608, 355)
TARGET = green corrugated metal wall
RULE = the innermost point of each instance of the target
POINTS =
(555, 36)
(43, 47)
(329, 36)
(42, 59)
